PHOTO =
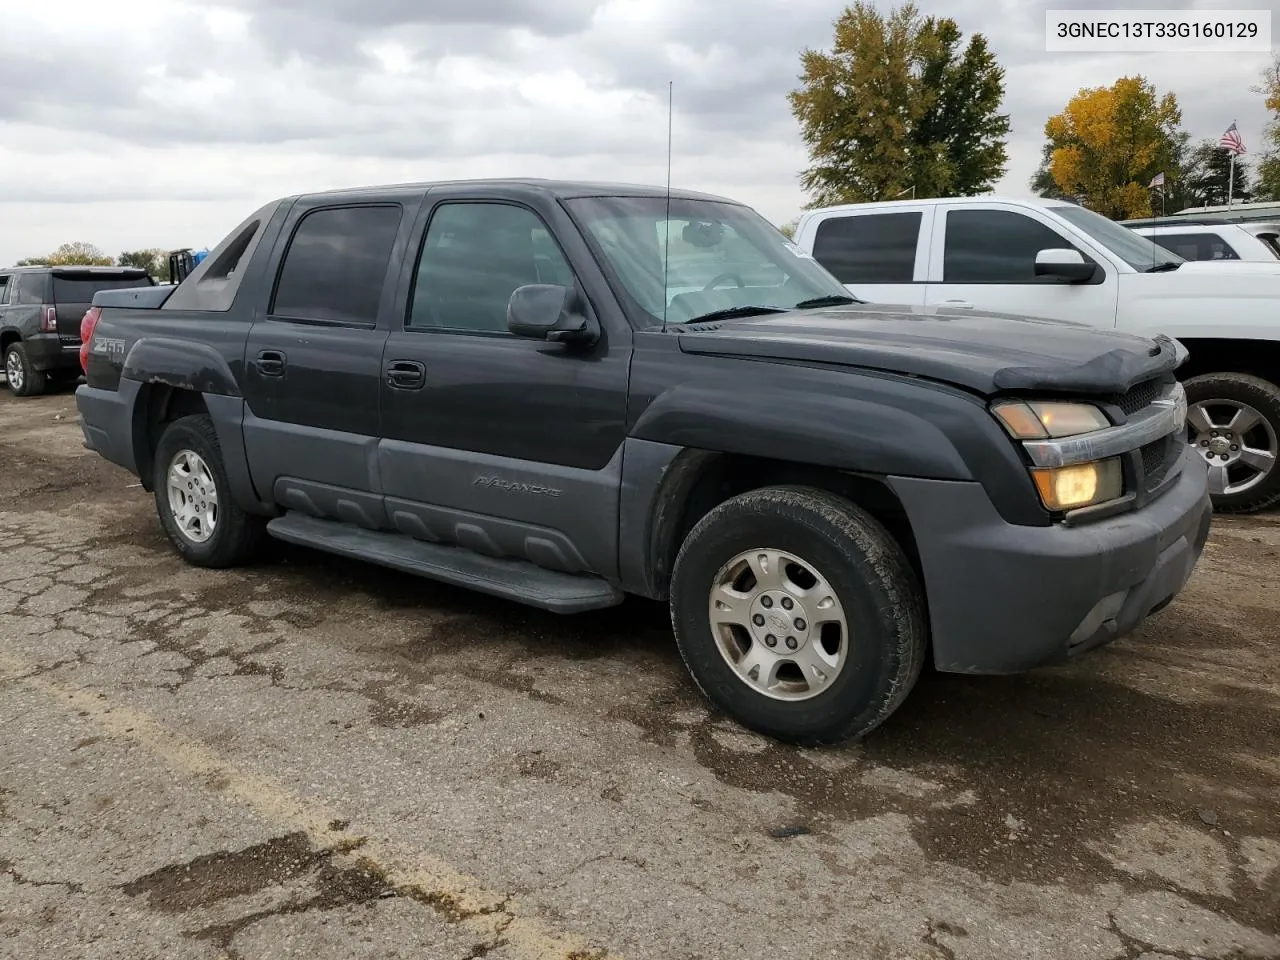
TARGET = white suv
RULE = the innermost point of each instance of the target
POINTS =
(1207, 239)
(1053, 259)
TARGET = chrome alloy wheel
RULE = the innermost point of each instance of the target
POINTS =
(778, 624)
(1237, 441)
(193, 496)
(13, 370)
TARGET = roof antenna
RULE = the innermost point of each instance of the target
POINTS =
(666, 233)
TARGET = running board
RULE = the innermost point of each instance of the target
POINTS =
(515, 580)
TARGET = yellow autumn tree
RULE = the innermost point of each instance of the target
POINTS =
(1109, 143)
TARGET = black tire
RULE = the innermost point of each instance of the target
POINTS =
(1264, 397)
(31, 382)
(872, 578)
(237, 536)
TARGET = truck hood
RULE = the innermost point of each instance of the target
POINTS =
(986, 353)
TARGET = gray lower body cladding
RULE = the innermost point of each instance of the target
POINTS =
(1005, 598)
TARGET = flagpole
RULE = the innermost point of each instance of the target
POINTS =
(1231, 173)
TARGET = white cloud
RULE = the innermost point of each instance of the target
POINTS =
(163, 123)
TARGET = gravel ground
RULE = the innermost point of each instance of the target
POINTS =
(314, 758)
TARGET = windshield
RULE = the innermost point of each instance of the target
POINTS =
(1133, 248)
(721, 256)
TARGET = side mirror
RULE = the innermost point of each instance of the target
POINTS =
(1065, 264)
(545, 311)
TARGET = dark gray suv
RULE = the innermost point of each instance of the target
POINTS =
(40, 313)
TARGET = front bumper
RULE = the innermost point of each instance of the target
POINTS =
(1005, 598)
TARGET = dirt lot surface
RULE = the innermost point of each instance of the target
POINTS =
(314, 758)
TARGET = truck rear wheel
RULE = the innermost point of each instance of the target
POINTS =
(194, 501)
(798, 614)
(24, 380)
(1233, 421)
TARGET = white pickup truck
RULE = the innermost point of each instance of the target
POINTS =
(1060, 261)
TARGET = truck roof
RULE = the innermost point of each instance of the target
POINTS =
(559, 189)
(943, 202)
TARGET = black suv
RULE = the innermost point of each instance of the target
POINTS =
(40, 313)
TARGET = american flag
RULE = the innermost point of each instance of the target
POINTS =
(1156, 181)
(1231, 140)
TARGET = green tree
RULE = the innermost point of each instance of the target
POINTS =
(154, 260)
(788, 229)
(1205, 176)
(899, 104)
(77, 253)
(1109, 142)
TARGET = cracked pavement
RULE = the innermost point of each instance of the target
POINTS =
(315, 758)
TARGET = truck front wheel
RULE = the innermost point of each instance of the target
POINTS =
(1233, 421)
(798, 614)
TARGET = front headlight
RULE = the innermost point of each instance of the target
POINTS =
(1079, 485)
(1049, 420)
(1075, 485)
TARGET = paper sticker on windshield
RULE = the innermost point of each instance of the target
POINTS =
(796, 250)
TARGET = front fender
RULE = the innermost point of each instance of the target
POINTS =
(861, 421)
(182, 364)
(880, 435)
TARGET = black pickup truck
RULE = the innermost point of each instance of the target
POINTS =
(563, 393)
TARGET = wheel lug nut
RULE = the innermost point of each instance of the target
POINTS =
(1204, 443)
(758, 620)
(766, 602)
(1213, 433)
(786, 603)
(1235, 446)
(791, 643)
(800, 624)
(1226, 457)
(771, 641)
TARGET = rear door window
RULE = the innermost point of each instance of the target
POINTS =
(6, 288)
(336, 265)
(869, 248)
(80, 289)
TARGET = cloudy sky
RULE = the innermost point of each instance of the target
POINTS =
(139, 123)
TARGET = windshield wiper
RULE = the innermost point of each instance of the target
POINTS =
(1163, 267)
(735, 312)
(832, 301)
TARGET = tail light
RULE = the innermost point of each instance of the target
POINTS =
(49, 320)
(86, 335)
